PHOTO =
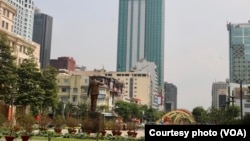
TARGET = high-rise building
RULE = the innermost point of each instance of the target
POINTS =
(42, 34)
(23, 25)
(150, 67)
(141, 34)
(217, 87)
(239, 52)
(170, 102)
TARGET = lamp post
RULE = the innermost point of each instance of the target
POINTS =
(142, 116)
(228, 92)
(11, 106)
(63, 110)
(241, 93)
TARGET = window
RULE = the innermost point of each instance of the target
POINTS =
(21, 48)
(247, 105)
(75, 90)
(7, 25)
(66, 80)
(24, 49)
(74, 99)
(64, 90)
(3, 23)
(4, 12)
(84, 90)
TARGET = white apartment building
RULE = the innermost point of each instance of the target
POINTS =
(24, 18)
(151, 68)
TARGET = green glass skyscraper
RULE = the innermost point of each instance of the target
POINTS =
(239, 52)
(141, 34)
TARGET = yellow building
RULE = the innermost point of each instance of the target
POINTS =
(73, 87)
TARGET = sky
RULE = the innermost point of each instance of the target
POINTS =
(196, 40)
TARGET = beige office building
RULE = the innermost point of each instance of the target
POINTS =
(21, 45)
(137, 86)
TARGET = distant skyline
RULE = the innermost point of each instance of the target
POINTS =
(196, 40)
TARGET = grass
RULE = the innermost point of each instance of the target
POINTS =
(36, 138)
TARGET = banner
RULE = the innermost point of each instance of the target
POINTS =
(197, 132)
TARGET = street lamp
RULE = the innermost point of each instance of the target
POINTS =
(228, 92)
(113, 109)
(230, 97)
(63, 107)
(142, 116)
(241, 93)
(11, 106)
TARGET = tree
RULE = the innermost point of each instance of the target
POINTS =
(29, 83)
(151, 114)
(246, 119)
(230, 114)
(8, 75)
(200, 114)
(49, 84)
(123, 110)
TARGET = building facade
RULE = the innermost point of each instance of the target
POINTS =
(222, 98)
(236, 99)
(24, 18)
(73, 88)
(141, 34)
(42, 34)
(170, 102)
(216, 87)
(239, 52)
(67, 63)
(137, 86)
(150, 67)
(21, 45)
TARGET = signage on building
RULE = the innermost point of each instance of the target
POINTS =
(101, 96)
(158, 99)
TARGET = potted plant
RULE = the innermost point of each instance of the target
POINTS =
(131, 126)
(9, 131)
(26, 122)
(86, 126)
(58, 122)
(71, 123)
(44, 121)
(116, 129)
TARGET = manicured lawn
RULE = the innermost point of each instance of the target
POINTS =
(35, 138)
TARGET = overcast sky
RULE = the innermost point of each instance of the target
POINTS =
(196, 40)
